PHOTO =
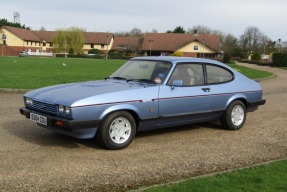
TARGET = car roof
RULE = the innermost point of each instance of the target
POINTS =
(176, 59)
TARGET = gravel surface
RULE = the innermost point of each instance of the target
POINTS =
(36, 159)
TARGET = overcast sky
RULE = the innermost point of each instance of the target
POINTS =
(228, 16)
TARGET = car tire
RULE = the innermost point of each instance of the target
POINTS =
(117, 130)
(235, 115)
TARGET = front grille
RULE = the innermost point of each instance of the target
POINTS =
(44, 107)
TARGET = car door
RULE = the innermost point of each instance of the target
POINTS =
(185, 98)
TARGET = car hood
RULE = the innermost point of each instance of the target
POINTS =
(66, 94)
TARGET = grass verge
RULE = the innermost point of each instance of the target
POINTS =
(267, 177)
(251, 73)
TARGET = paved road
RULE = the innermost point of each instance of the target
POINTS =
(35, 159)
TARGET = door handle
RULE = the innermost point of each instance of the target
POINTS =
(206, 89)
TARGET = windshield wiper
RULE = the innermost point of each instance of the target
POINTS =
(142, 80)
(118, 78)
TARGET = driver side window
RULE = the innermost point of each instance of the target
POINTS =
(189, 74)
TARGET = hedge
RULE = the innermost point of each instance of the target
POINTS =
(279, 59)
(226, 58)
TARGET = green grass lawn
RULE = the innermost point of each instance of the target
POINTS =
(264, 178)
(31, 72)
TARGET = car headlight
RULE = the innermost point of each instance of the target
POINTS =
(28, 101)
(67, 110)
(61, 109)
(64, 110)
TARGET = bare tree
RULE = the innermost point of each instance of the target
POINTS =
(42, 28)
(229, 43)
(154, 31)
(135, 32)
(250, 40)
(265, 44)
(201, 29)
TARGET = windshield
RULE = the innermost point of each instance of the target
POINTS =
(139, 70)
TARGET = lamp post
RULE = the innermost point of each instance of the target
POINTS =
(42, 45)
(107, 47)
(279, 42)
(150, 42)
(3, 41)
(65, 45)
(203, 41)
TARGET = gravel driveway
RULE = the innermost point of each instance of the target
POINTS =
(35, 159)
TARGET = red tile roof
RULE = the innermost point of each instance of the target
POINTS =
(174, 41)
(122, 43)
(97, 38)
(45, 35)
(23, 33)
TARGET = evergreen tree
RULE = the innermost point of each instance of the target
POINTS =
(5, 22)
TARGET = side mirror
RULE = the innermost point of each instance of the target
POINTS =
(176, 83)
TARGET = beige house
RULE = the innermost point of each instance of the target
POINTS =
(42, 41)
(201, 45)
(100, 41)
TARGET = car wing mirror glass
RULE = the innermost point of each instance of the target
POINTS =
(177, 83)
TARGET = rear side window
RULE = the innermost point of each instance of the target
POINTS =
(216, 74)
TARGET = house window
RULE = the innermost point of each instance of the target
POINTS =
(51, 44)
(102, 46)
(92, 45)
(31, 43)
(195, 47)
(27, 43)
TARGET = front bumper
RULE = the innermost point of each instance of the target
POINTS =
(78, 129)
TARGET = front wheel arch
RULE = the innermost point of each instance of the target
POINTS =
(107, 129)
(133, 113)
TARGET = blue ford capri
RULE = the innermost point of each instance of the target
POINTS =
(145, 93)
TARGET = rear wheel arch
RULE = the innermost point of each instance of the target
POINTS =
(234, 116)
(242, 99)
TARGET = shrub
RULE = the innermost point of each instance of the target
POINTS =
(244, 56)
(226, 58)
(116, 55)
(244, 60)
(256, 57)
(263, 63)
(94, 51)
(279, 59)
(177, 53)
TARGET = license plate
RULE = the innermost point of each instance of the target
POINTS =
(38, 118)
